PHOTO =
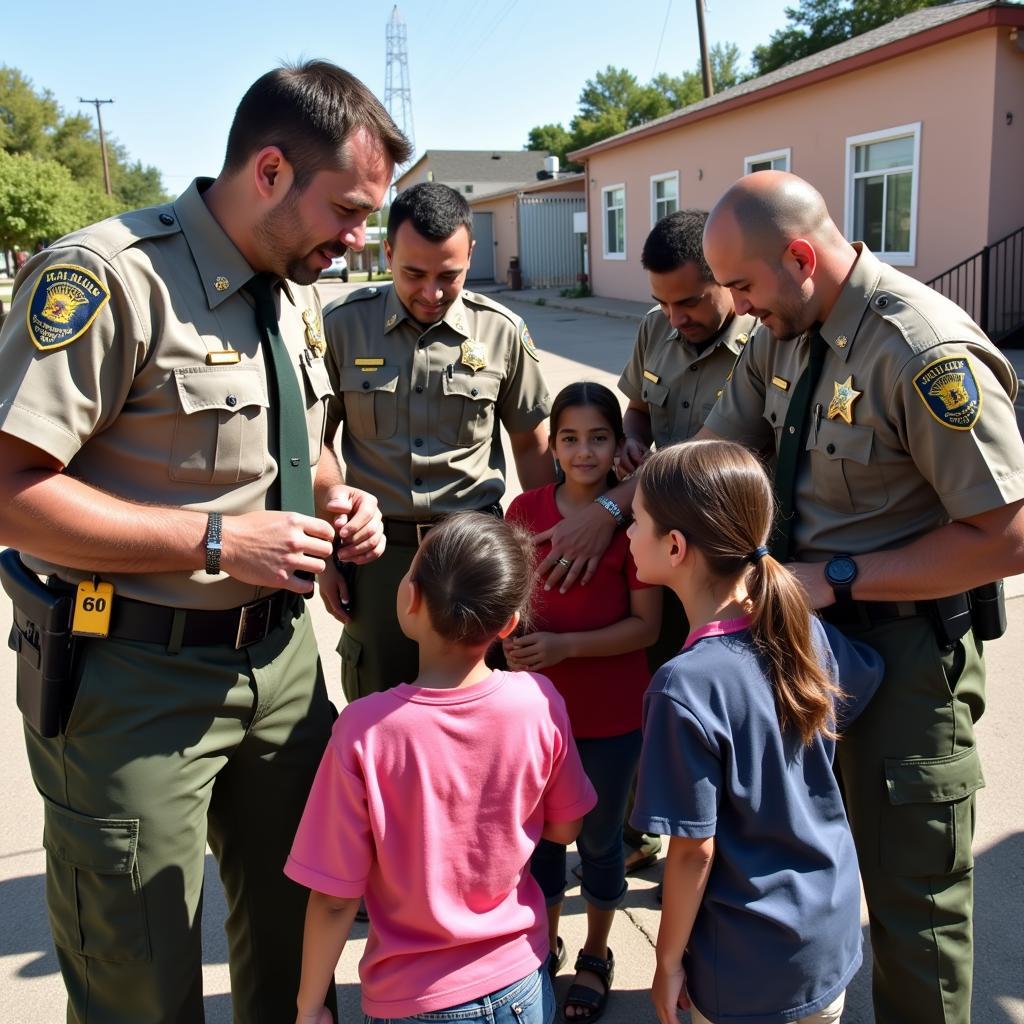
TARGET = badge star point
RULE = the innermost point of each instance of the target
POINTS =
(841, 406)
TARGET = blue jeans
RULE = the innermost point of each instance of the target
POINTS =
(610, 763)
(529, 1001)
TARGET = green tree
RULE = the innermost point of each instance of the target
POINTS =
(39, 200)
(818, 24)
(26, 117)
(556, 140)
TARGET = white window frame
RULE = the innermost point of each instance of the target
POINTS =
(604, 222)
(773, 155)
(655, 179)
(896, 259)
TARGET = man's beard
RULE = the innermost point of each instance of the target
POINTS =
(272, 232)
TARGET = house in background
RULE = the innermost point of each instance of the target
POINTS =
(913, 133)
(476, 172)
(532, 225)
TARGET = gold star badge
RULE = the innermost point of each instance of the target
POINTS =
(474, 355)
(222, 284)
(841, 405)
(314, 333)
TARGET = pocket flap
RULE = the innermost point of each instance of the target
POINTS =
(933, 780)
(105, 846)
(837, 440)
(353, 378)
(482, 387)
(350, 649)
(654, 394)
(217, 387)
(317, 377)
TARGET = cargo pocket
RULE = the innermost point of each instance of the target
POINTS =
(351, 651)
(93, 887)
(928, 824)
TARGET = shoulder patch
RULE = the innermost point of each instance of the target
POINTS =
(950, 392)
(64, 303)
(528, 345)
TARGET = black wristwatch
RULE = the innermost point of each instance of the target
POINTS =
(213, 524)
(841, 571)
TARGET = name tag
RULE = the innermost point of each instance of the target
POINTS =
(223, 357)
(652, 377)
(781, 383)
(93, 604)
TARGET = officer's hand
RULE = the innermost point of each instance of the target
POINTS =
(577, 544)
(811, 576)
(334, 592)
(266, 549)
(632, 455)
(358, 521)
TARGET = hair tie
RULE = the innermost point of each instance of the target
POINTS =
(757, 554)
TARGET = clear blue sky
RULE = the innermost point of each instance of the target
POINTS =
(482, 73)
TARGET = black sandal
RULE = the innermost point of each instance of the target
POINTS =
(556, 960)
(580, 997)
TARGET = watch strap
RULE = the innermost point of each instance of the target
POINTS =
(213, 543)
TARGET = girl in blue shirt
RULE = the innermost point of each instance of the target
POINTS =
(761, 915)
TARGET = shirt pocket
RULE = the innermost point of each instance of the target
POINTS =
(656, 397)
(220, 431)
(467, 408)
(318, 388)
(776, 405)
(371, 401)
(845, 479)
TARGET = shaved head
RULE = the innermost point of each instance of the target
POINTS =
(770, 209)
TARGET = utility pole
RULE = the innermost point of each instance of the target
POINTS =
(103, 142)
(705, 62)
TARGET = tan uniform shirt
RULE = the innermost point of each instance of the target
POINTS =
(679, 383)
(109, 362)
(912, 418)
(421, 407)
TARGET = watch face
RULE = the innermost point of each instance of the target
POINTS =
(841, 570)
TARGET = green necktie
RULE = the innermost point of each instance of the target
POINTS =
(288, 408)
(794, 436)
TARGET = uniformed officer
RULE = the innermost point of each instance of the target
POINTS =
(162, 401)
(900, 479)
(424, 374)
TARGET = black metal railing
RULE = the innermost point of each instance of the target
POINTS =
(990, 285)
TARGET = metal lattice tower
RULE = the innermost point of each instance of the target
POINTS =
(398, 97)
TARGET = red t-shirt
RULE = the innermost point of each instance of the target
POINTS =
(604, 695)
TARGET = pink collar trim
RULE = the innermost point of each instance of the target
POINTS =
(718, 628)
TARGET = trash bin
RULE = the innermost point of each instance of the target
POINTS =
(515, 275)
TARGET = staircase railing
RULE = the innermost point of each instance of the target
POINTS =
(990, 285)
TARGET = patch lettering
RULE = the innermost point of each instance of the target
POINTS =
(950, 392)
(65, 302)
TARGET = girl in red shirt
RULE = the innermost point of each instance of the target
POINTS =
(590, 641)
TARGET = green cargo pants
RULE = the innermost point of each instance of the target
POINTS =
(162, 753)
(909, 769)
(375, 653)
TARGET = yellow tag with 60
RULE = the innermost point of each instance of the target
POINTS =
(93, 603)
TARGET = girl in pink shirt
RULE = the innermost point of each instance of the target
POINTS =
(432, 796)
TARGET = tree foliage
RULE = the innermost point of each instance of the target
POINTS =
(51, 168)
(818, 24)
(614, 100)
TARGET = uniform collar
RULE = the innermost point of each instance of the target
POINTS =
(395, 313)
(840, 329)
(222, 268)
(735, 329)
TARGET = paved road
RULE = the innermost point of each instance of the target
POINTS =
(575, 345)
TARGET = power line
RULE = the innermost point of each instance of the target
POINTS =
(664, 25)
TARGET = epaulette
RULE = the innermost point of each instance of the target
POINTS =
(115, 234)
(360, 295)
(919, 332)
(479, 299)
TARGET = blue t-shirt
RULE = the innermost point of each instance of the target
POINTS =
(777, 936)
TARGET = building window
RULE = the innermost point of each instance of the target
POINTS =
(664, 195)
(881, 191)
(613, 202)
(776, 160)
(467, 188)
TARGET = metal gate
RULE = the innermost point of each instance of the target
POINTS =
(549, 251)
(481, 267)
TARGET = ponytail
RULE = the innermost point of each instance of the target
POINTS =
(718, 496)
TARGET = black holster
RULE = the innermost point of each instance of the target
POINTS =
(41, 637)
(988, 611)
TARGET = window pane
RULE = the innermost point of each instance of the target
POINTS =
(897, 213)
(780, 163)
(867, 211)
(876, 156)
(761, 165)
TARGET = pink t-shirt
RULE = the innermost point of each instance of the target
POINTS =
(429, 803)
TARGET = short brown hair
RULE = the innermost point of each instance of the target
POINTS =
(475, 572)
(308, 111)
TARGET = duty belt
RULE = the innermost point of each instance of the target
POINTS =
(158, 624)
(410, 533)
